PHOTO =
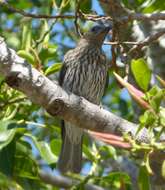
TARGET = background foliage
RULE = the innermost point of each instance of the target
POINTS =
(29, 137)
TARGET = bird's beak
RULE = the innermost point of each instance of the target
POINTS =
(106, 29)
(103, 33)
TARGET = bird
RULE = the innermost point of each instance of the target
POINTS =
(84, 72)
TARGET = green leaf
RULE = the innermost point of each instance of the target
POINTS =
(143, 178)
(88, 153)
(2, 78)
(6, 135)
(152, 92)
(117, 179)
(162, 116)
(55, 146)
(141, 72)
(155, 96)
(52, 69)
(148, 118)
(23, 147)
(26, 55)
(44, 150)
(21, 4)
(26, 34)
(108, 152)
(48, 52)
(58, 3)
(7, 159)
(85, 6)
(163, 169)
(162, 82)
(12, 40)
(10, 113)
(25, 167)
(64, 4)
(44, 29)
(4, 125)
(156, 100)
(4, 181)
(155, 5)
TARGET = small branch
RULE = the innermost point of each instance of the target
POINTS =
(37, 16)
(144, 17)
(78, 2)
(113, 50)
(94, 17)
(64, 182)
(43, 16)
(121, 43)
(148, 40)
(39, 41)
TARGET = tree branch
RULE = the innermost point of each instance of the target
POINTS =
(144, 17)
(116, 16)
(122, 15)
(40, 90)
(138, 45)
(148, 40)
(64, 182)
(37, 16)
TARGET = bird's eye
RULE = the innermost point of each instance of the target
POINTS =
(95, 29)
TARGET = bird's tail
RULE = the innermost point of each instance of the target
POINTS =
(70, 158)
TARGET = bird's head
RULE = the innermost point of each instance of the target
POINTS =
(97, 34)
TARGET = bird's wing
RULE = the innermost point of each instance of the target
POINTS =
(62, 74)
(105, 61)
(64, 68)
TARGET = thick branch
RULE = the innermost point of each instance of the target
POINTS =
(119, 13)
(21, 76)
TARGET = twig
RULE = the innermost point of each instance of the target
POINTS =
(69, 32)
(76, 17)
(37, 16)
(113, 49)
(148, 40)
(44, 16)
(94, 17)
(45, 34)
(120, 43)
(144, 17)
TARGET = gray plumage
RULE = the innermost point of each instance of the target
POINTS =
(84, 72)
